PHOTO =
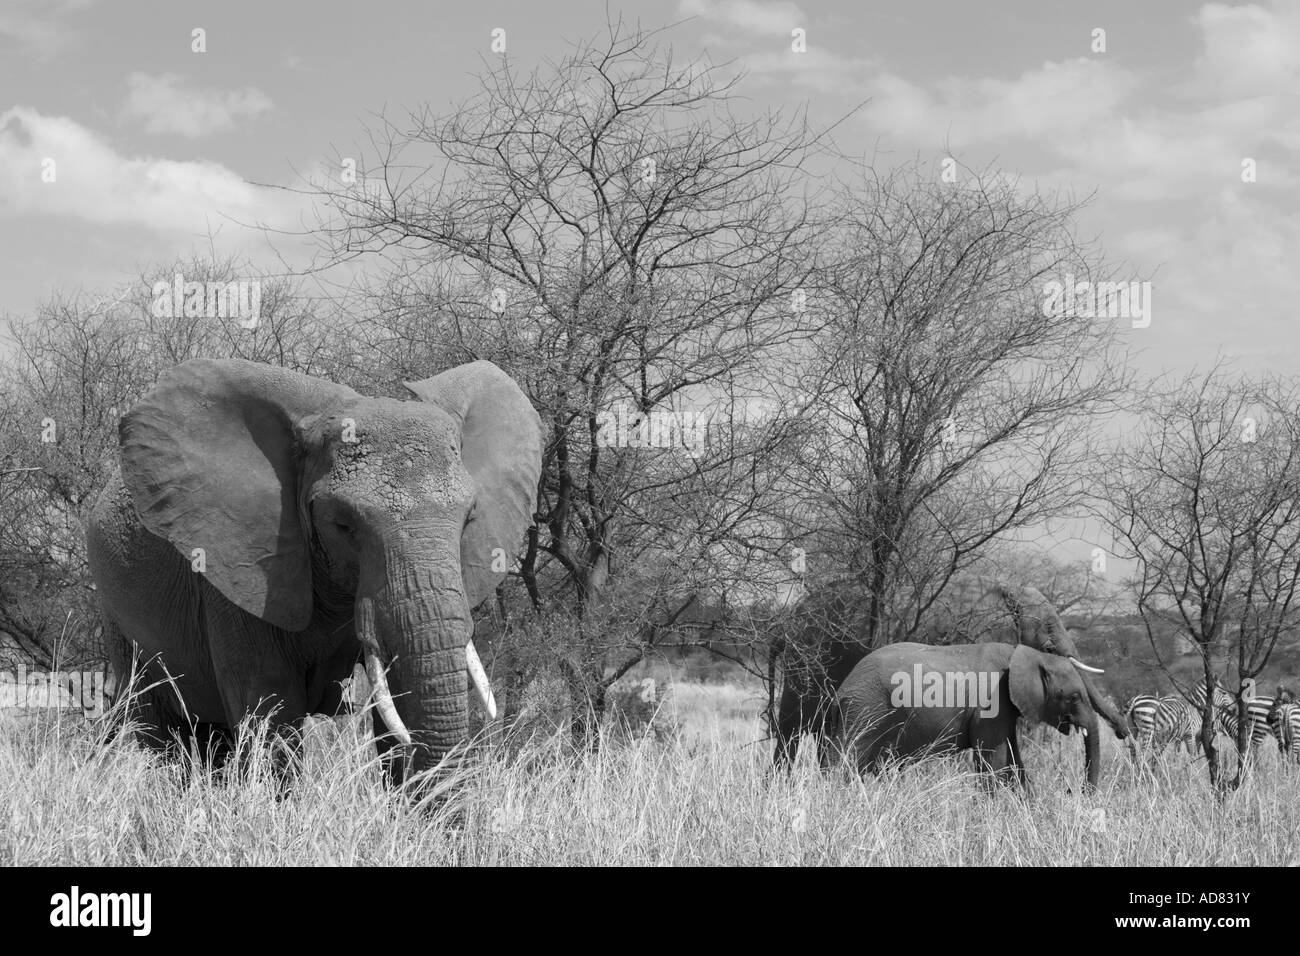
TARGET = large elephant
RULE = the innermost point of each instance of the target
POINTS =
(908, 700)
(269, 530)
(828, 645)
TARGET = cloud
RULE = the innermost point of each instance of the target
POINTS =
(1183, 137)
(1066, 99)
(818, 69)
(94, 183)
(752, 16)
(167, 106)
(1249, 51)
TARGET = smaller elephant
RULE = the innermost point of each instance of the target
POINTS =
(909, 700)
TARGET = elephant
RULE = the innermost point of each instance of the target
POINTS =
(907, 700)
(816, 658)
(828, 646)
(266, 531)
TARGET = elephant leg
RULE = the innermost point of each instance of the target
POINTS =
(871, 749)
(828, 737)
(256, 678)
(384, 744)
(825, 751)
(788, 729)
(204, 748)
(394, 759)
(145, 705)
(160, 726)
(1013, 742)
(216, 742)
(122, 658)
(154, 713)
(994, 756)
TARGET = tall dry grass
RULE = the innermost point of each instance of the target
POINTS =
(704, 796)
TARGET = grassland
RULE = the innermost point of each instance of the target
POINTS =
(703, 795)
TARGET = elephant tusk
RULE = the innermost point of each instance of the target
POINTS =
(1084, 667)
(375, 673)
(384, 697)
(479, 676)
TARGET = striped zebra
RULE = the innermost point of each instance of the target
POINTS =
(1257, 715)
(1159, 721)
(1284, 722)
(1258, 711)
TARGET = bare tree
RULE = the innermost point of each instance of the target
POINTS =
(1205, 498)
(955, 409)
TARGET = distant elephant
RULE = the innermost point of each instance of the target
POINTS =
(269, 530)
(909, 700)
(828, 646)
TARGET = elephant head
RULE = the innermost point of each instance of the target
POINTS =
(1039, 626)
(313, 507)
(1049, 689)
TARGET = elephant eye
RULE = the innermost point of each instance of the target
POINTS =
(343, 527)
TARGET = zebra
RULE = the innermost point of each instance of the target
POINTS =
(1258, 711)
(1257, 714)
(1177, 720)
(1142, 719)
(1284, 721)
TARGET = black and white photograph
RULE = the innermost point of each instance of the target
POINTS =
(708, 433)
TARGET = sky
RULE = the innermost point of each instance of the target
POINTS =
(1182, 121)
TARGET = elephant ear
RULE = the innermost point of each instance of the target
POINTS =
(210, 458)
(1028, 683)
(501, 448)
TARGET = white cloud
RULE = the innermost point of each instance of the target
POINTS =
(1249, 51)
(1065, 100)
(1148, 136)
(818, 69)
(167, 106)
(94, 183)
(753, 16)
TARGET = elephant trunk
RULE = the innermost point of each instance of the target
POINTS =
(1105, 707)
(418, 625)
(1091, 754)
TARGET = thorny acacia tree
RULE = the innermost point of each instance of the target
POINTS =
(1205, 499)
(614, 235)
